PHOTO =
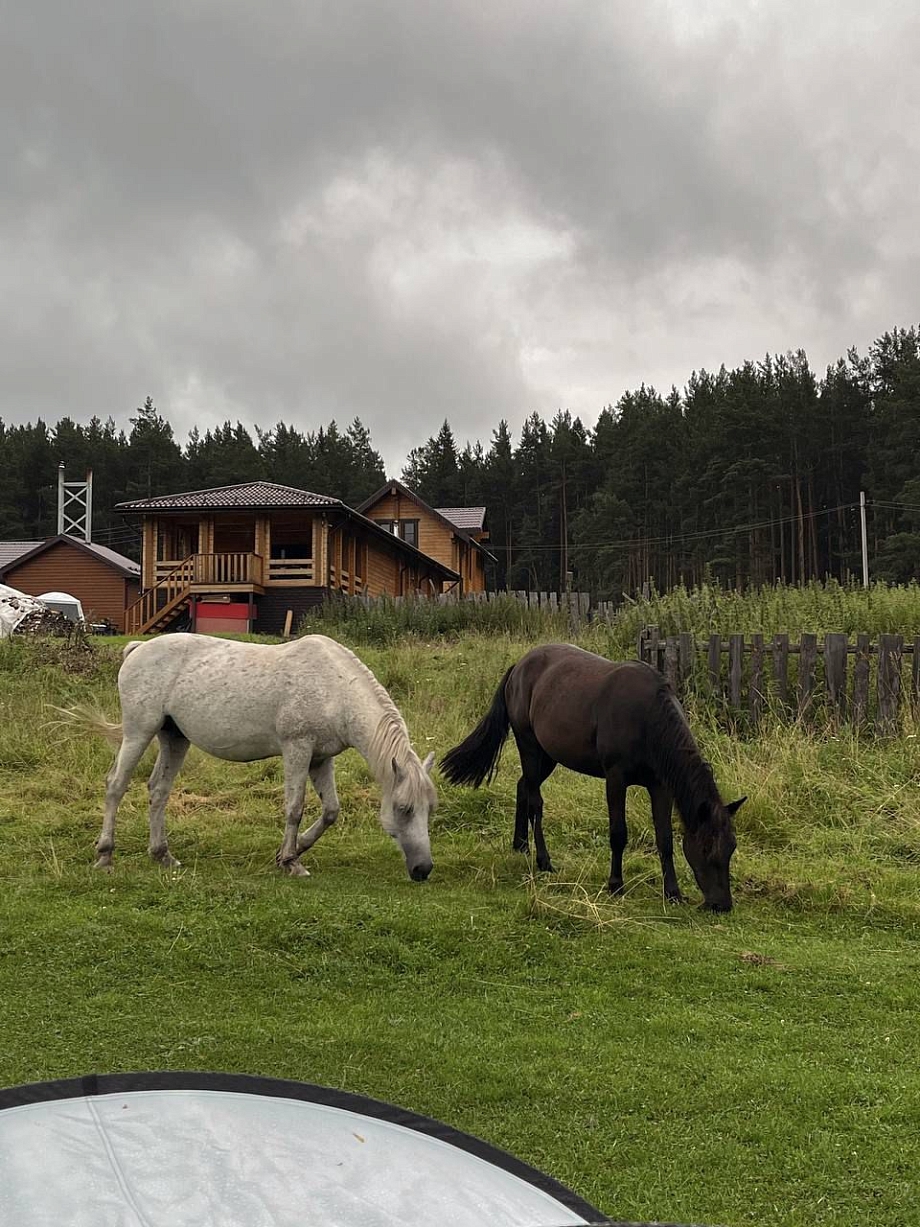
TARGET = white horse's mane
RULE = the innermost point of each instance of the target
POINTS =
(390, 743)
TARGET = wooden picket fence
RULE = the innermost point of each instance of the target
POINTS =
(576, 604)
(746, 675)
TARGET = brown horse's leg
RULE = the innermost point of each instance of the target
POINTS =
(536, 766)
(521, 827)
(616, 810)
(662, 804)
(544, 864)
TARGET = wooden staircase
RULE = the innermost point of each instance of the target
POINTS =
(215, 574)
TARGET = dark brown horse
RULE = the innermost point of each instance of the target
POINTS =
(620, 722)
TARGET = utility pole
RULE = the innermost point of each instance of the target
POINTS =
(865, 548)
(563, 536)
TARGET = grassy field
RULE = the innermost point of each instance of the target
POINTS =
(761, 1067)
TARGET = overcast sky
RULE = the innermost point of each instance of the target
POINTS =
(408, 210)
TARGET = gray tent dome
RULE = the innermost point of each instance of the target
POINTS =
(183, 1149)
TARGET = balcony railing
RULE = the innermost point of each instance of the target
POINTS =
(198, 570)
(281, 569)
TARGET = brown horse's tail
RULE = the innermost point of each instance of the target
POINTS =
(476, 757)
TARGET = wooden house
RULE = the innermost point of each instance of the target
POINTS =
(106, 583)
(240, 557)
(454, 536)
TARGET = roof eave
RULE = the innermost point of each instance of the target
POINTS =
(201, 508)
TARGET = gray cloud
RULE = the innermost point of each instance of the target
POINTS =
(407, 211)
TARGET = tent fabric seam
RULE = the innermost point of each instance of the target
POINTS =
(109, 1148)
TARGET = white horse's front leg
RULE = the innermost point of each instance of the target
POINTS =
(323, 779)
(296, 758)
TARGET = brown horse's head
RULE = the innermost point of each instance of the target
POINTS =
(709, 847)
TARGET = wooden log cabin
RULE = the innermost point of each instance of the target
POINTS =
(241, 557)
(453, 535)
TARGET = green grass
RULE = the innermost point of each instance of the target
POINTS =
(704, 610)
(773, 609)
(761, 1067)
(386, 620)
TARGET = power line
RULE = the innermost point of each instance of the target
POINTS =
(895, 506)
(677, 538)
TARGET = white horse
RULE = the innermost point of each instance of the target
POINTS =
(307, 700)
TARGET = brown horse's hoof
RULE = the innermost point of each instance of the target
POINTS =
(676, 898)
(615, 888)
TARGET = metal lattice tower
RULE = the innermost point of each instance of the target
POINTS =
(75, 506)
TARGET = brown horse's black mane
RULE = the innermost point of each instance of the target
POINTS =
(677, 758)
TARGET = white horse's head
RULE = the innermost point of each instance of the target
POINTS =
(404, 810)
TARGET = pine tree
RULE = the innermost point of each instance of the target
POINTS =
(155, 462)
(366, 471)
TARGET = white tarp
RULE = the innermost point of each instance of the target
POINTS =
(186, 1156)
(14, 606)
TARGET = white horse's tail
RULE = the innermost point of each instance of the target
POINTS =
(82, 716)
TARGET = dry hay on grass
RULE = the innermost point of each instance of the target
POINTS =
(581, 902)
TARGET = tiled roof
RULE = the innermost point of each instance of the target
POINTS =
(10, 551)
(108, 555)
(464, 517)
(247, 496)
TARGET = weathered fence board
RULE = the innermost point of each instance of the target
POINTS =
(889, 682)
(715, 665)
(808, 657)
(735, 673)
(781, 668)
(686, 653)
(835, 674)
(735, 668)
(672, 660)
(757, 687)
(861, 681)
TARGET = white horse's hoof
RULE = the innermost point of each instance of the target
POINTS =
(296, 870)
(104, 863)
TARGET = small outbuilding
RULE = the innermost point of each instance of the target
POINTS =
(102, 580)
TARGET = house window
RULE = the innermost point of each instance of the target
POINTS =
(406, 529)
